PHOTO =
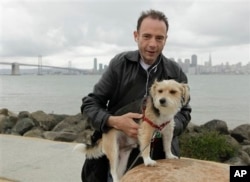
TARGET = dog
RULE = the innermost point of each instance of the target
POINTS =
(165, 99)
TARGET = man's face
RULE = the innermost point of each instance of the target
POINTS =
(151, 39)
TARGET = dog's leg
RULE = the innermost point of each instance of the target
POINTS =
(124, 156)
(167, 136)
(145, 135)
(111, 149)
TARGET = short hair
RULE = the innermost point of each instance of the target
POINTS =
(152, 14)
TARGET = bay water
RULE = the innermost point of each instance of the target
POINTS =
(224, 97)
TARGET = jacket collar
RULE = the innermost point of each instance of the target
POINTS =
(134, 56)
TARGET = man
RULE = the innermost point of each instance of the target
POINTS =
(128, 78)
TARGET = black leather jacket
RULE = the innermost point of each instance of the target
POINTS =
(125, 81)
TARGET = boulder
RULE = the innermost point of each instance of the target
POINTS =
(60, 136)
(23, 114)
(59, 117)
(6, 112)
(36, 132)
(7, 123)
(179, 170)
(191, 127)
(216, 125)
(246, 148)
(241, 133)
(45, 121)
(75, 124)
(23, 125)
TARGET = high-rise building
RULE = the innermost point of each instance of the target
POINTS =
(193, 61)
(210, 60)
(95, 65)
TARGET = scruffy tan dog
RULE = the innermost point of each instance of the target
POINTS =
(165, 100)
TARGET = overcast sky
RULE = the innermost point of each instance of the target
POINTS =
(78, 31)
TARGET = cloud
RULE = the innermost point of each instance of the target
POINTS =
(227, 23)
(82, 28)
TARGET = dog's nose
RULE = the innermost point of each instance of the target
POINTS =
(162, 101)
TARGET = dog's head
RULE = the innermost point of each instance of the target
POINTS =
(169, 96)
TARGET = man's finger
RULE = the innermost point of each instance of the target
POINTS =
(134, 115)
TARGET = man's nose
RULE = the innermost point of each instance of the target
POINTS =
(152, 42)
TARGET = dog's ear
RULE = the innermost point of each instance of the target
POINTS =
(185, 94)
(153, 87)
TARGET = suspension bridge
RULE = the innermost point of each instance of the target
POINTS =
(15, 68)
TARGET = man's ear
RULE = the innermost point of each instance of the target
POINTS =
(136, 36)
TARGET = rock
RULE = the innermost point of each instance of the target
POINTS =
(59, 117)
(7, 123)
(245, 158)
(7, 120)
(233, 143)
(6, 112)
(35, 132)
(60, 136)
(242, 158)
(216, 125)
(47, 122)
(236, 161)
(23, 114)
(246, 148)
(191, 127)
(179, 170)
(23, 125)
(245, 142)
(241, 133)
(74, 124)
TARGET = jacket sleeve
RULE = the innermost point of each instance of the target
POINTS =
(95, 104)
(183, 117)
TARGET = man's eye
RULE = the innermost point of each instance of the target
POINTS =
(146, 36)
(160, 38)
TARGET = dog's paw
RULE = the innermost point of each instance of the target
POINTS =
(171, 156)
(149, 162)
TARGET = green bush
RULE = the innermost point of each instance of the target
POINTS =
(207, 145)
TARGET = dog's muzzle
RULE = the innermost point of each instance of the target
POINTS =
(163, 102)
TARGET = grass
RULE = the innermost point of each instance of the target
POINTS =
(207, 145)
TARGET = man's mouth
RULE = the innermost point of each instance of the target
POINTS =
(151, 52)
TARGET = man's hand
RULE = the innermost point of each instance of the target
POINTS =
(125, 123)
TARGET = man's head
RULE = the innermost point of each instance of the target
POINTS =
(151, 35)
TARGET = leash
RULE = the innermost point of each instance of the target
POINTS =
(137, 157)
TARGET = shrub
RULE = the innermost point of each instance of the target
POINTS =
(207, 145)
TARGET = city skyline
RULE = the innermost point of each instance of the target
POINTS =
(189, 65)
(88, 64)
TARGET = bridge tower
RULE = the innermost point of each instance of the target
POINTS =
(69, 68)
(40, 65)
(15, 70)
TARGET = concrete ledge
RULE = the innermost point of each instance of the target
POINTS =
(179, 170)
(25, 159)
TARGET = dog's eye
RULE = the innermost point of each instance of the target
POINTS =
(160, 91)
(172, 91)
